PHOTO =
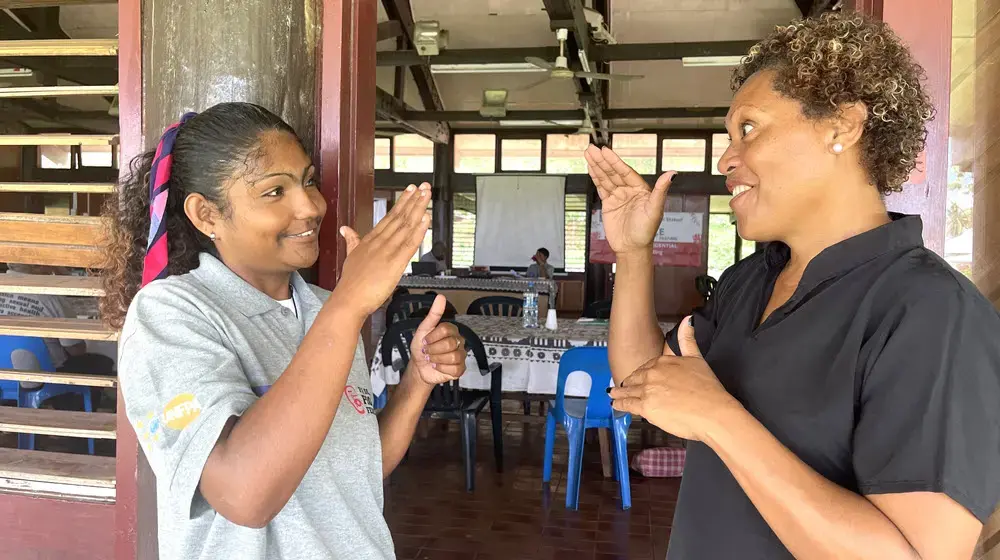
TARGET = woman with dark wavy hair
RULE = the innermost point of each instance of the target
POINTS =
(248, 387)
(840, 388)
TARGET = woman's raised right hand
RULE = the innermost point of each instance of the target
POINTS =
(376, 262)
(631, 211)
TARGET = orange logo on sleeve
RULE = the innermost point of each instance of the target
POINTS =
(181, 411)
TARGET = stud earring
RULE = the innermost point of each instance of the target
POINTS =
(838, 148)
(212, 236)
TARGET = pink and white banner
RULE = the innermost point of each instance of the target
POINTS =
(678, 242)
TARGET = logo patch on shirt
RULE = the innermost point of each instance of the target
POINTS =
(181, 411)
(149, 427)
(360, 398)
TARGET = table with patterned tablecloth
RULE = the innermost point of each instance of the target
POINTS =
(530, 357)
(495, 284)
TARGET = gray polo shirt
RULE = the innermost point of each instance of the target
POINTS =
(200, 348)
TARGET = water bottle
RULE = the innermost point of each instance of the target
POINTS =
(529, 311)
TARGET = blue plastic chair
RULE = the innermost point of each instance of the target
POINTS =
(579, 415)
(33, 398)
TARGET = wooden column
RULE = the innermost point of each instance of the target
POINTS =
(986, 190)
(442, 214)
(986, 132)
(261, 51)
(925, 26)
(135, 484)
(346, 126)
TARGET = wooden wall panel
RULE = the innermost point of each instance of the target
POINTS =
(36, 528)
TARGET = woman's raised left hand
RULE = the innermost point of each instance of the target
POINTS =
(438, 350)
(678, 394)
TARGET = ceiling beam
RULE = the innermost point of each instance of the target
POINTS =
(400, 10)
(599, 53)
(569, 14)
(388, 108)
(389, 30)
(565, 114)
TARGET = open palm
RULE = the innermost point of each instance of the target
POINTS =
(631, 210)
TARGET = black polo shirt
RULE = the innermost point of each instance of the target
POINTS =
(882, 373)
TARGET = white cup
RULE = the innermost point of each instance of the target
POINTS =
(550, 320)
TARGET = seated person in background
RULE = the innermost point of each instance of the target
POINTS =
(37, 305)
(436, 255)
(541, 267)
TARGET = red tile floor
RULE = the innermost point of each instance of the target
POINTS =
(510, 515)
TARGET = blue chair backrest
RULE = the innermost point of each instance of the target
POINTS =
(593, 361)
(30, 343)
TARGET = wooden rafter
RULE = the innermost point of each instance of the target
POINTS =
(19, 4)
(59, 47)
(56, 91)
(400, 10)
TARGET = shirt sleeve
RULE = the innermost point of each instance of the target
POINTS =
(927, 417)
(181, 384)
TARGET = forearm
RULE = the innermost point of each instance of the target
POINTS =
(398, 420)
(291, 422)
(813, 517)
(635, 336)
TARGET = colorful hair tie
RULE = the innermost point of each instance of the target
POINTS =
(155, 263)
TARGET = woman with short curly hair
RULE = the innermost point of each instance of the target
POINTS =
(840, 388)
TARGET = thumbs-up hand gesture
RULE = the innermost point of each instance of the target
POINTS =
(678, 394)
(438, 350)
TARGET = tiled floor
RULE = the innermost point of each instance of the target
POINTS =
(510, 515)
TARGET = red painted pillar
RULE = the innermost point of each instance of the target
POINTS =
(925, 26)
(346, 126)
(127, 473)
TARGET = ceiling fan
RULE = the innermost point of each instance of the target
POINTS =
(559, 70)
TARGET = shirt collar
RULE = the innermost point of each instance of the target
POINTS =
(903, 232)
(250, 301)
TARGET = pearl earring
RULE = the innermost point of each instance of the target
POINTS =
(837, 148)
(212, 236)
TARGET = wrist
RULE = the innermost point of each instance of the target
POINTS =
(633, 257)
(416, 381)
(721, 425)
(345, 309)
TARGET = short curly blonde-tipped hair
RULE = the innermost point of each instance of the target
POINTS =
(835, 59)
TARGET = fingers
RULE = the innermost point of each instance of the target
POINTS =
(448, 345)
(593, 154)
(659, 196)
(398, 208)
(351, 237)
(686, 340)
(453, 371)
(631, 392)
(451, 358)
(621, 172)
(441, 332)
(630, 405)
(413, 221)
(606, 167)
(638, 377)
(432, 319)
